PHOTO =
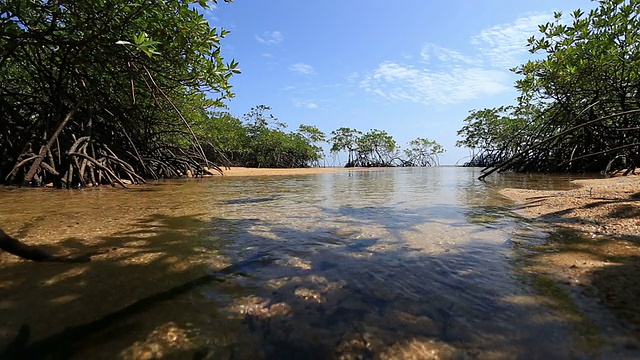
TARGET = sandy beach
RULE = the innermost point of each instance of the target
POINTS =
(592, 251)
(244, 171)
(608, 207)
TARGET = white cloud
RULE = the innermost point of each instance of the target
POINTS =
(404, 82)
(309, 104)
(445, 76)
(303, 69)
(353, 77)
(506, 45)
(270, 37)
(448, 56)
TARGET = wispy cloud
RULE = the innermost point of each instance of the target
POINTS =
(445, 76)
(447, 56)
(505, 45)
(402, 82)
(303, 69)
(353, 77)
(270, 37)
(309, 104)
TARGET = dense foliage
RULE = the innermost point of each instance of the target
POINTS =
(377, 148)
(579, 105)
(117, 91)
(260, 140)
(97, 91)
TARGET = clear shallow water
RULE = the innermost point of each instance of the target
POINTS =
(395, 263)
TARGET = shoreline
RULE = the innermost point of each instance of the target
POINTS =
(609, 207)
(590, 256)
(149, 247)
(246, 171)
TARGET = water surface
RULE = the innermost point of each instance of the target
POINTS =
(393, 263)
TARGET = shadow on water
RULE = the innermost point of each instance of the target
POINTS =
(250, 200)
(344, 298)
(44, 298)
(293, 276)
(598, 272)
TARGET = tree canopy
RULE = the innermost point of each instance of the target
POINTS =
(102, 90)
(119, 91)
(260, 140)
(578, 107)
(377, 148)
(423, 152)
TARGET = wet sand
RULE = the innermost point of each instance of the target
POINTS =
(592, 249)
(607, 207)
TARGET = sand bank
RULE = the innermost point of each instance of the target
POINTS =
(243, 171)
(592, 252)
(599, 207)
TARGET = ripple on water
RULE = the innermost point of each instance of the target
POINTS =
(387, 264)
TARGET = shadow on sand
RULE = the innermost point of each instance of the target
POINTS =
(598, 271)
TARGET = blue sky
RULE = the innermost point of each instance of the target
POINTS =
(413, 68)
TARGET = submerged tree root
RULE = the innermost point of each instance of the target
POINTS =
(16, 247)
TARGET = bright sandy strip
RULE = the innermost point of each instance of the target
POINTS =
(243, 171)
(603, 263)
(600, 206)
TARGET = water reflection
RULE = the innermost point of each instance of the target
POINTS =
(536, 181)
(385, 264)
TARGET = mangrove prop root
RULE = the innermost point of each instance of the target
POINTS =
(86, 161)
(36, 164)
(558, 152)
